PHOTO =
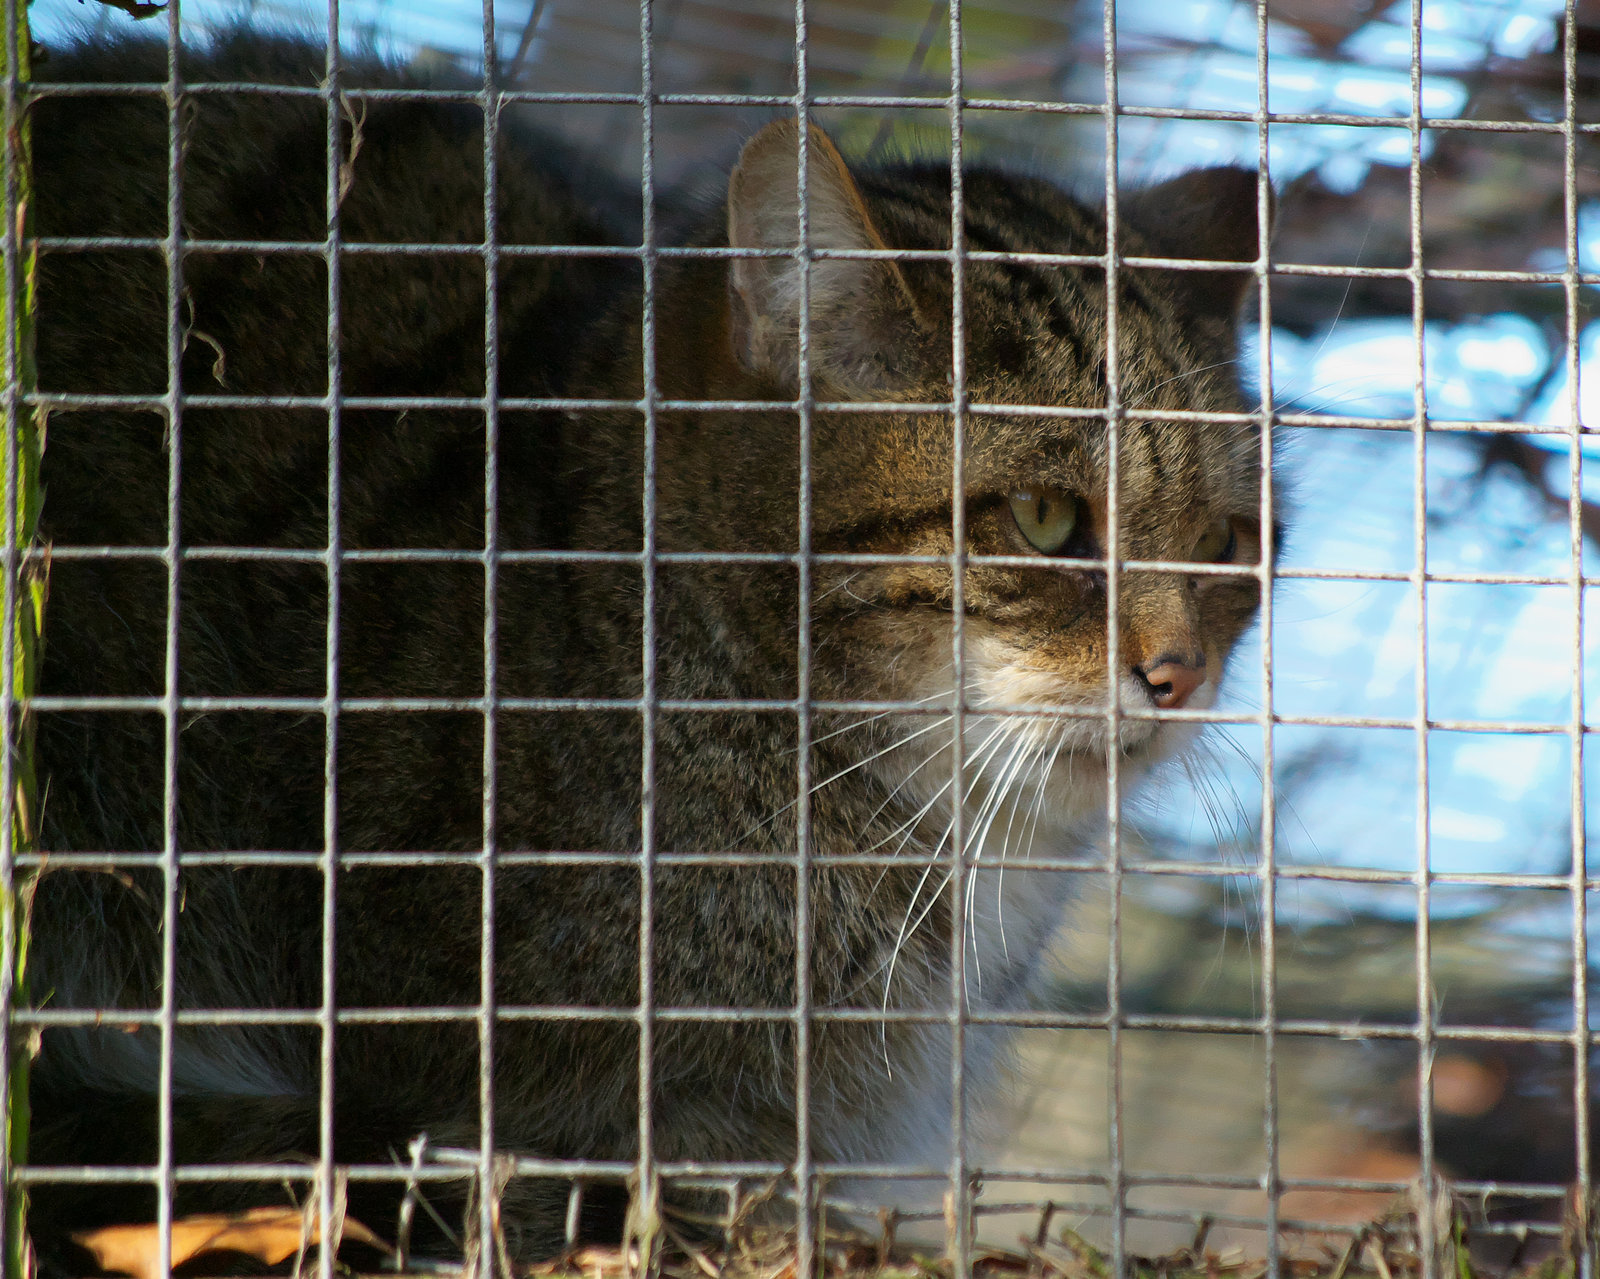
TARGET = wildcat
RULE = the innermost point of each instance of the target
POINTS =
(557, 790)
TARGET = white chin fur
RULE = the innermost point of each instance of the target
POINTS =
(1033, 790)
(1054, 763)
(1034, 787)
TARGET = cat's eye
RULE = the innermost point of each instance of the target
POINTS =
(1217, 544)
(1047, 517)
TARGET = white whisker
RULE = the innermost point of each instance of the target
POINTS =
(873, 719)
(975, 761)
(1178, 377)
(1030, 829)
(983, 823)
(860, 763)
(985, 747)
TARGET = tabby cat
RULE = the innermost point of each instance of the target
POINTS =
(606, 668)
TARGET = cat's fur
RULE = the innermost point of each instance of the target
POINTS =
(568, 780)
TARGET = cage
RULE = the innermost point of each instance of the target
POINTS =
(1330, 957)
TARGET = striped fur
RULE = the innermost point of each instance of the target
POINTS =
(566, 931)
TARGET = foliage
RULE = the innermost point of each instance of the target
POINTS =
(25, 605)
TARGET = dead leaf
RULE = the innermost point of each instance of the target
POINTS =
(270, 1235)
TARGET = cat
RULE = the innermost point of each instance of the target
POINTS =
(704, 644)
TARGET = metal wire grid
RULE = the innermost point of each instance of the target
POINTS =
(807, 1176)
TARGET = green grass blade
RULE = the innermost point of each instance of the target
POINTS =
(24, 615)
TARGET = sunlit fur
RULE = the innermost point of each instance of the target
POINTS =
(883, 938)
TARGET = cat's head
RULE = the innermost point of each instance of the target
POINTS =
(1035, 481)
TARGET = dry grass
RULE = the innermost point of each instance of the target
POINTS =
(1431, 1238)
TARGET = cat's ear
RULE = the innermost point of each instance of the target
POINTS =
(1207, 214)
(865, 332)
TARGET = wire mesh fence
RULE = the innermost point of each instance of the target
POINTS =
(853, 299)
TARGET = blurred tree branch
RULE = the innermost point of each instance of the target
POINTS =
(1532, 463)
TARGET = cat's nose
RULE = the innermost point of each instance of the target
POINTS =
(1172, 678)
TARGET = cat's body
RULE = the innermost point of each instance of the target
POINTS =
(568, 780)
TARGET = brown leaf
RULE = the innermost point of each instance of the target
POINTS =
(269, 1234)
